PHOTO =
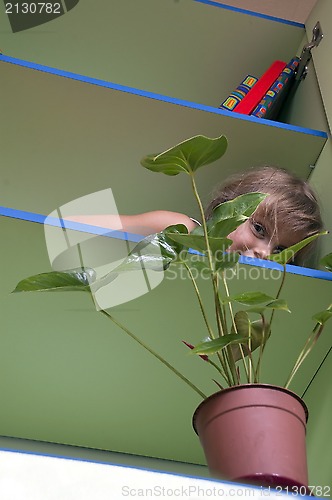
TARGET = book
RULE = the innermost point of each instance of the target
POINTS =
(256, 94)
(238, 94)
(270, 106)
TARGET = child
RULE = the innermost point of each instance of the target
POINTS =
(290, 214)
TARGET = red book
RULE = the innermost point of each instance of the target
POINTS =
(256, 94)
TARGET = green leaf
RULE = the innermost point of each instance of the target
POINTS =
(167, 233)
(242, 323)
(250, 298)
(225, 227)
(154, 252)
(229, 215)
(279, 304)
(139, 262)
(71, 280)
(290, 252)
(215, 345)
(198, 243)
(187, 156)
(255, 330)
(323, 316)
(198, 230)
(243, 205)
(326, 261)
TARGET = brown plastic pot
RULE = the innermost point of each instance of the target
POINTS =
(254, 433)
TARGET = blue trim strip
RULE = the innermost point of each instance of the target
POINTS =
(251, 13)
(21, 214)
(302, 271)
(86, 228)
(271, 123)
(75, 226)
(160, 97)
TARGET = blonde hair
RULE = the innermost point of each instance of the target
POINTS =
(292, 202)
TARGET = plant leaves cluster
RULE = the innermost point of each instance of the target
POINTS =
(235, 337)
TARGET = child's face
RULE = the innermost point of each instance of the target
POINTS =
(257, 238)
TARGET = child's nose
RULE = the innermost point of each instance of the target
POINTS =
(261, 254)
(258, 252)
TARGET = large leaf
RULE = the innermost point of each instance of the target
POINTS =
(198, 230)
(242, 323)
(167, 234)
(161, 242)
(229, 215)
(187, 156)
(198, 243)
(278, 304)
(155, 252)
(215, 345)
(225, 227)
(255, 330)
(72, 280)
(250, 298)
(326, 261)
(243, 205)
(290, 252)
(139, 262)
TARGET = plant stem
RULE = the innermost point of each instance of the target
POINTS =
(223, 371)
(250, 356)
(251, 379)
(221, 320)
(230, 351)
(219, 312)
(277, 296)
(219, 370)
(155, 354)
(211, 334)
(312, 339)
(261, 349)
(209, 254)
(224, 360)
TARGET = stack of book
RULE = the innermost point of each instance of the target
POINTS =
(263, 97)
(239, 93)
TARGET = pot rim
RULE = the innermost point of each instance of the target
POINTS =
(250, 386)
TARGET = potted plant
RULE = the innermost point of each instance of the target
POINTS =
(250, 431)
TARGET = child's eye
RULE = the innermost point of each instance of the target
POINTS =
(259, 229)
(279, 249)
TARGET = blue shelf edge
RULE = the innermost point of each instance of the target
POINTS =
(159, 97)
(252, 13)
(99, 231)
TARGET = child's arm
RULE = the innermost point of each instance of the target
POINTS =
(143, 224)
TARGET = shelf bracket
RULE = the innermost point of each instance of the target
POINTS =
(317, 35)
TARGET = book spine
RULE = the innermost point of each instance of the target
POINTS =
(256, 94)
(239, 93)
(266, 106)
